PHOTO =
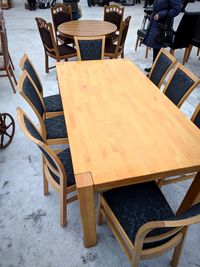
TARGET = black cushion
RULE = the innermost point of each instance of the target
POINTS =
(141, 33)
(55, 127)
(110, 47)
(65, 39)
(178, 86)
(90, 49)
(162, 65)
(138, 204)
(65, 158)
(66, 50)
(53, 103)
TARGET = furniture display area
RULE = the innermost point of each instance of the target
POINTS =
(146, 145)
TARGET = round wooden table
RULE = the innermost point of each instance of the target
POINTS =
(86, 28)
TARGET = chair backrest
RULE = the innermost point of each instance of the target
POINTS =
(53, 163)
(90, 48)
(47, 37)
(185, 31)
(28, 90)
(4, 47)
(196, 37)
(122, 34)
(161, 67)
(60, 13)
(180, 85)
(162, 236)
(114, 14)
(26, 64)
(196, 116)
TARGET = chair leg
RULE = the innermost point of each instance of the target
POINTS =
(100, 215)
(122, 54)
(46, 63)
(171, 52)
(13, 75)
(177, 252)
(188, 53)
(198, 51)
(10, 79)
(185, 55)
(147, 52)
(63, 203)
(45, 182)
(11, 62)
(136, 44)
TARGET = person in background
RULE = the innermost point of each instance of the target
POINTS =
(162, 9)
(32, 4)
(74, 6)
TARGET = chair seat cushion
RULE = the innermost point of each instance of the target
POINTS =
(53, 103)
(110, 47)
(66, 50)
(138, 204)
(141, 33)
(64, 39)
(196, 42)
(65, 158)
(55, 127)
(113, 38)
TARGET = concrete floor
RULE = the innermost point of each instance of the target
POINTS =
(30, 234)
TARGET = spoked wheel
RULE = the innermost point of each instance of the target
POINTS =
(7, 129)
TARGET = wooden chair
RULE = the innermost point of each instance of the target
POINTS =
(90, 48)
(114, 14)
(52, 103)
(51, 49)
(115, 50)
(57, 166)
(143, 222)
(61, 13)
(53, 129)
(5, 63)
(3, 28)
(180, 85)
(169, 180)
(161, 67)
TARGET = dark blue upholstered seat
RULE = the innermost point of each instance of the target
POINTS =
(55, 127)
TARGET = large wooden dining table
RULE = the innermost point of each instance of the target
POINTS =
(122, 130)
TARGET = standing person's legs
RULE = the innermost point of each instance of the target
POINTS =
(155, 53)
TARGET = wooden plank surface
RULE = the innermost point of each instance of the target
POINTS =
(121, 126)
(86, 28)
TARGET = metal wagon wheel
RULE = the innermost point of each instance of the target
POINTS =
(7, 129)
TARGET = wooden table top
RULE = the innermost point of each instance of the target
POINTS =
(120, 125)
(86, 28)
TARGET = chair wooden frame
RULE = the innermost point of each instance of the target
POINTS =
(77, 38)
(119, 50)
(22, 78)
(21, 65)
(51, 52)
(173, 60)
(135, 252)
(170, 180)
(7, 65)
(56, 9)
(190, 75)
(61, 188)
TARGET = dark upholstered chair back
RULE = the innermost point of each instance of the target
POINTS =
(181, 83)
(31, 95)
(46, 34)
(61, 13)
(91, 48)
(114, 14)
(123, 32)
(27, 65)
(185, 31)
(162, 65)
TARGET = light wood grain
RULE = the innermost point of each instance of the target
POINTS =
(121, 128)
(86, 28)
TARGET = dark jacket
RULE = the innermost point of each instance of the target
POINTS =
(73, 4)
(165, 9)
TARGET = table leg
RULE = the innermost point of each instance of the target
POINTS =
(192, 196)
(85, 190)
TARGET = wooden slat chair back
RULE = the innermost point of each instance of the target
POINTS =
(90, 48)
(30, 93)
(61, 13)
(129, 212)
(53, 103)
(180, 85)
(5, 63)
(54, 171)
(114, 51)
(161, 67)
